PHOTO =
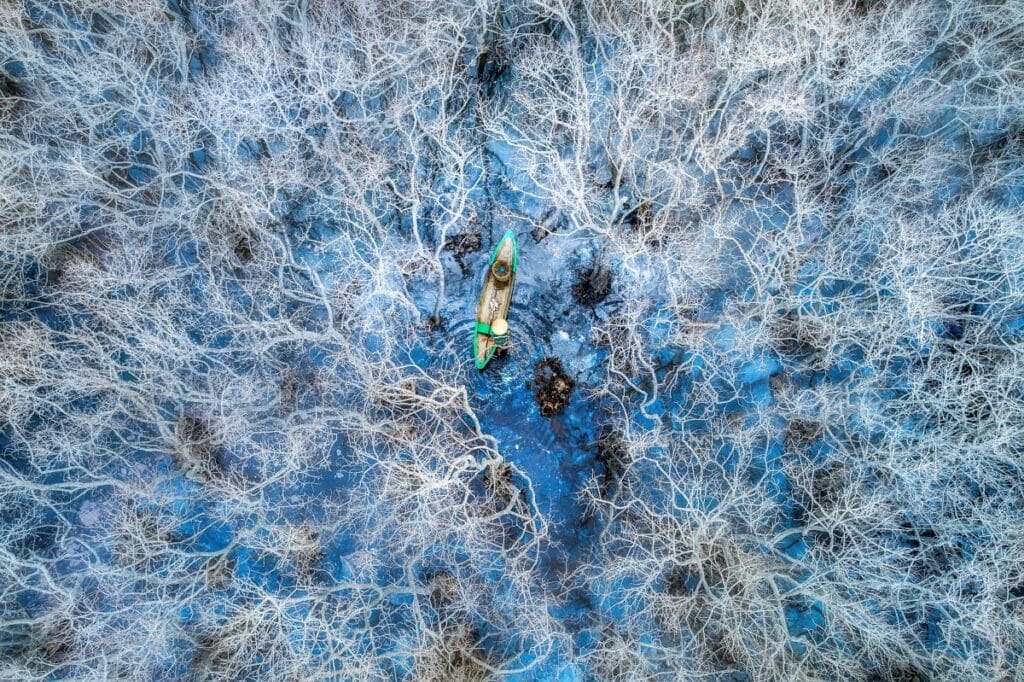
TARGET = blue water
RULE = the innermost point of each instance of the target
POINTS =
(242, 435)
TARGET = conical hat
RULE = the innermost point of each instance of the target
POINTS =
(499, 327)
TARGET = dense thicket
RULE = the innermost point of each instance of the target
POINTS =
(241, 434)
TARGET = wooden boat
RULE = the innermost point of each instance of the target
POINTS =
(491, 330)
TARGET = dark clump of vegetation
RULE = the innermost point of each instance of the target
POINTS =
(307, 554)
(219, 571)
(199, 452)
(899, 673)
(83, 251)
(592, 285)
(243, 244)
(498, 480)
(212, 655)
(611, 453)
(463, 652)
(828, 485)
(800, 434)
(641, 221)
(444, 588)
(59, 643)
(795, 335)
(931, 555)
(552, 387)
(9, 87)
(679, 581)
(463, 244)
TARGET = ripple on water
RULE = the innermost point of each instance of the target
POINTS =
(551, 451)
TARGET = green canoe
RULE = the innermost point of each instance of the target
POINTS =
(491, 330)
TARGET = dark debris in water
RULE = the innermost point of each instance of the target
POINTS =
(592, 285)
(463, 244)
(552, 387)
(611, 453)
